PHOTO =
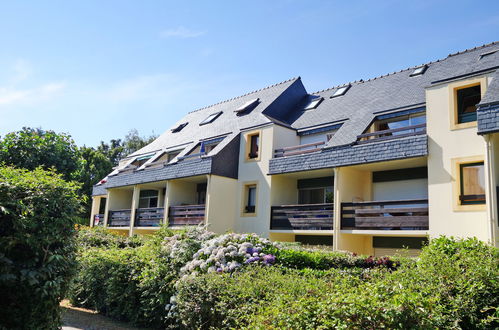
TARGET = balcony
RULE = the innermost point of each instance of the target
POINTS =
(391, 134)
(385, 215)
(186, 215)
(119, 218)
(149, 217)
(302, 217)
(298, 150)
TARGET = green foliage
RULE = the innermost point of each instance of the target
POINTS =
(453, 285)
(117, 149)
(30, 148)
(37, 211)
(88, 237)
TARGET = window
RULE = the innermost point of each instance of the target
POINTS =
(341, 91)
(253, 146)
(472, 183)
(249, 199)
(210, 118)
(313, 103)
(148, 198)
(487, 54)
(247, 107)
(201, 193)
(467, 99)
(419, 71)
(315, 195)
(179, 128)
(400, 122)
(139, 161)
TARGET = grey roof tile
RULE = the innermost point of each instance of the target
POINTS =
(397, 90)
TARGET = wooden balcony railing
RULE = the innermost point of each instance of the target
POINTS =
(298, 150)
(149, 217)
(389, 134)
(119, 218)
(186, 215)
(302, 217)
(385, 215)
(99, 220)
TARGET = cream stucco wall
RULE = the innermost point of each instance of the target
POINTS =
(446, 146)
(181, 192)
(255, 172)
(221, 203)
(351, 185)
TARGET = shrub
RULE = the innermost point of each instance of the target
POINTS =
(88, 237)
(37, 210)
(452, 285)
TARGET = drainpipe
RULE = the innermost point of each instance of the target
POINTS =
(491, 190)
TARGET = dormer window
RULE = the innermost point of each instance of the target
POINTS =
(247, 107)
(179, 127)
(210, 118)
(313, 103)
(139, 161)
(341, 91)
(419, 71)
(482, 56)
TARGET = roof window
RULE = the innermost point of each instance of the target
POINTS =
(341, 91)
(313, 103)
(419, 71)
(247, 107)
(179, 127)
(488, 54)
(210, 118)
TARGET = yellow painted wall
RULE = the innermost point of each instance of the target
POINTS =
(446, 143)
(352, 185)
(120, 199)
(282, 237)
(95, 208)
(256, 172)
(221, 203)
(181, 192)
(284, 190)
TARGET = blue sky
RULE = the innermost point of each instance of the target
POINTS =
(96, 69)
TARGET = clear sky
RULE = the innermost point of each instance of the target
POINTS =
(96, 69)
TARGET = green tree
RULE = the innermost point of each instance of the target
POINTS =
(117, 149)
(37, 210)
(30, 148)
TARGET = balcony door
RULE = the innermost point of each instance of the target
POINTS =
(315, 191)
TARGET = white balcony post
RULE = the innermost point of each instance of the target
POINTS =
(134, 206)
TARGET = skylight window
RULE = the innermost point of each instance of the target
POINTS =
(312, 104)
(419, 71)
(488, 54)
(248, 106)
(341, 91)
(179, 127)
(210, 118)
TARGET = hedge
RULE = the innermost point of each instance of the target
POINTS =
(194, 280)
(37, 211)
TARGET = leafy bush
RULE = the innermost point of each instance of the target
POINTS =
(36, 246)
(187, 279)
(87, 237)
(453, 285)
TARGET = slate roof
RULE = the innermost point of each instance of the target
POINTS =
(398, 90)
(488, 109)
(272, 100)
(409, 147)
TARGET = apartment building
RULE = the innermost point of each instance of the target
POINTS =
(369, 166)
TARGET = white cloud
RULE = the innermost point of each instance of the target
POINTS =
(181, 32)
(15, 96)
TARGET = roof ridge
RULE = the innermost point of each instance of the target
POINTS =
(409, 68)
(240, 96)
